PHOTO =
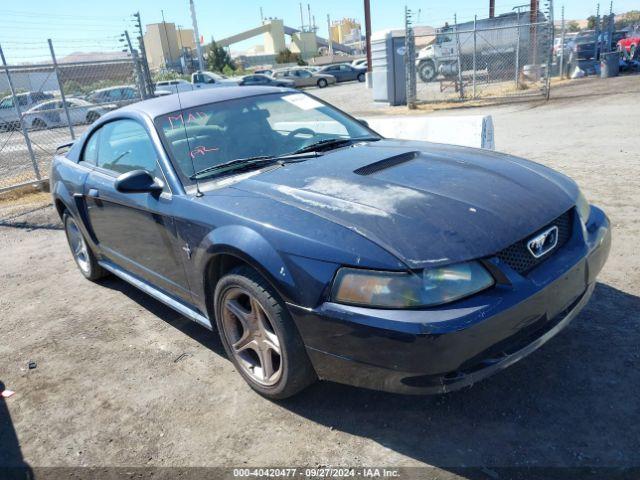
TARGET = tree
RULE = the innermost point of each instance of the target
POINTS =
(573, 26)
(218, 58)
(629, 19)
(591, 22)
(287, 56)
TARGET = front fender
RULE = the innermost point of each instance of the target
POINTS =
(248, 245)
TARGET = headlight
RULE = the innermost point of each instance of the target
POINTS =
(409, 290)
(583, 208)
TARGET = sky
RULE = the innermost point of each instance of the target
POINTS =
(89, 25)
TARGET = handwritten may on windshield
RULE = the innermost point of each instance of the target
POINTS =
(176, 121)
(201, 150)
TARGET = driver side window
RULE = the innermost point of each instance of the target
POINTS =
(124, 145)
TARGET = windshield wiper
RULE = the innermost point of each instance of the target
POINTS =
(249, 162)
(235, 164)
(327, 143)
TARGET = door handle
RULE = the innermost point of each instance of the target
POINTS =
(93, 192)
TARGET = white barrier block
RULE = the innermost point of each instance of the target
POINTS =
(468, 131)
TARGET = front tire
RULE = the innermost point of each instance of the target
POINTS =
(92, 117)
(427, 71)
(38, 124)
(82, 254)
(361, 77)
(259, 335)
(322, 83)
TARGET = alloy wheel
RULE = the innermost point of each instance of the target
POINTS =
(78, 245)
(251, 336)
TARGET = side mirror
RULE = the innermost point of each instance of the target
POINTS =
(138, 181)
(363, 122)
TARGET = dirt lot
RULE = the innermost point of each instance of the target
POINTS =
(123, 380)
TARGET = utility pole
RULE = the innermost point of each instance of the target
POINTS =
(309, 17)
(367, 26)
(329, 37)
(197, 35)
(261, 16)
(136, 63)
(143, 53)
(301, 18)
(166, 36)
(492, 8)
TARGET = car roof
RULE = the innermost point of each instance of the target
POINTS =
(111, 88)
(172, 103)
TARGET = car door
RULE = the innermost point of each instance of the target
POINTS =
(348, 72)
(135, 231)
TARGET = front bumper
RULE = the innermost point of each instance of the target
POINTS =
(450, 347)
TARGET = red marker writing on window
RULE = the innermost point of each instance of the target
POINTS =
(201, 150)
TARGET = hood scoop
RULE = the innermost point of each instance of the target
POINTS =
(386, 163)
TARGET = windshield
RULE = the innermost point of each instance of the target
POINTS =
(259, 126)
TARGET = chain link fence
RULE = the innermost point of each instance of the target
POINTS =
(46, 104)
(506, 56)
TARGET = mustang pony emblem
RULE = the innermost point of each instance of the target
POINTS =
(544, 242)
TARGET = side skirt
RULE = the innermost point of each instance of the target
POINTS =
(157, 294)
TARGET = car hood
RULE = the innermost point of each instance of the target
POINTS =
(427, 204)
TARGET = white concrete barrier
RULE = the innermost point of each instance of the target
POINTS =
(468, 131)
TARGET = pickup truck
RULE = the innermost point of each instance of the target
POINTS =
(9, 119)
(198, 80)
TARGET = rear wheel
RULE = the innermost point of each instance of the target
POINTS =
(92, 117)
(38, 124)
(82, 254)
(259, 336)
(322, 83)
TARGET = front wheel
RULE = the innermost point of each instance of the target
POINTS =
(427, 71)
(361, 77)
(322, 83)
(92, 117)
(259, 336)
(82, 254)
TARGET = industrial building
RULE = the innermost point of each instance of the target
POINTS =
(169, 47)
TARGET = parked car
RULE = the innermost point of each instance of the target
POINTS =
(114, 97)
(319, 249)
(586, 47)
(359, 62)
(52, 114)
(629, 44)
(9, 119)
(305, 78)
(199, 80)
(263, 71)
(345, 72)
(265, 80)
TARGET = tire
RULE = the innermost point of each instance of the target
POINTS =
(92, 117)
(427, 71)
(38, 124)
(82, 254)
(322, 83)
(268, 339)
(361, 77)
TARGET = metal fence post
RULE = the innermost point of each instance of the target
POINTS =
(455, 22)
(409, 60)
(562, 44)
(136, 64)
(64, 100)
(16, 106)
(551, 30)
(518, 50)
(475, 21)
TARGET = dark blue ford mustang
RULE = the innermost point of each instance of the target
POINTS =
(321, 250)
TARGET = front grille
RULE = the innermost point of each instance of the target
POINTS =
(518, 257)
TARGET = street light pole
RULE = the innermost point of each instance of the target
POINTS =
(367, 26)
(194, 21)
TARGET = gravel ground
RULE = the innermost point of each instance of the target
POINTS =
(123, 380)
